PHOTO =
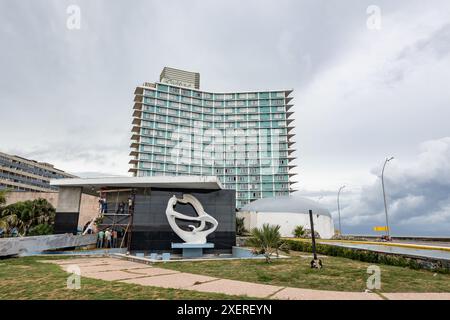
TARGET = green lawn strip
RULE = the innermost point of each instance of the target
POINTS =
(26, 278)
(338, 274)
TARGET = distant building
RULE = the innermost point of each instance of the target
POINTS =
(288, 213)
(244, 138)
(20, 174)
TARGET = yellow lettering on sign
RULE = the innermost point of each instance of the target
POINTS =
(380, 228)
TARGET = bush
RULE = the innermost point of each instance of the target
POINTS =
(299, 232)
(361, 255)
(41, 230)
(240, 229)
(267, 241)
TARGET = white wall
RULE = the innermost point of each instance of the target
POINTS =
(288, 221)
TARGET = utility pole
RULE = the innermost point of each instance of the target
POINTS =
(339, 209)
(315, 263)
(384, 197)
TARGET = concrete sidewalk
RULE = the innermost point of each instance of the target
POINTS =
(112, 269)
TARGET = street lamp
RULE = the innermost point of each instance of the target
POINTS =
(384, 195)
(339, 209)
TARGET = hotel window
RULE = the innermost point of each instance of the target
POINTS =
(185, 92)
(218, 96)
(263, 95)
(196, 94)
(252, 96)
(162, 87)
(149, 93)
(207, 95)
(162, 95)
(242, 96)
(174, 90)
(277, 102)
(174, 98)
(161, 102)
(149, 101)
(253, 103)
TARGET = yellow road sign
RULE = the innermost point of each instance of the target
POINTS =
(380, 228)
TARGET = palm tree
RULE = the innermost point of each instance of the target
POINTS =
(23, 216)
(267, 241)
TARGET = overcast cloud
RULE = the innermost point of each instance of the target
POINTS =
(360, 95)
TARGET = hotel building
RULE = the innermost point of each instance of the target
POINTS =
(243, 138)
(20, 174)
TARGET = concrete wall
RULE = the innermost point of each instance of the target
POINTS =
(288, 221)
(24, 246)
(88, 207)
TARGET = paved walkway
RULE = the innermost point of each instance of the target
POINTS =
(113, 269)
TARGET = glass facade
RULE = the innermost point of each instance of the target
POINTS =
(243, 138)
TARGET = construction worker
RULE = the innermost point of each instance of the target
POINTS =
(114, 238)
(100, 238)
(108, 238)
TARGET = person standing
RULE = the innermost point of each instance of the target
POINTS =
(108, 238)
(100, 237)
(114, 238)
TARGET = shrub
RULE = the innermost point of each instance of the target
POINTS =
(299, 231)
(267, 241)
(41, 230)
(240, 229)
(362, 255)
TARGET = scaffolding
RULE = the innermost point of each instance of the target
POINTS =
(115, 213)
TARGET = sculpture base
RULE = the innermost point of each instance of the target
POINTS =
(192, 250)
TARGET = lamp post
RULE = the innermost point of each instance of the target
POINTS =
(384, 196)
(339, 209)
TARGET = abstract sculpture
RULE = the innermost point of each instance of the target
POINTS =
(198, 234)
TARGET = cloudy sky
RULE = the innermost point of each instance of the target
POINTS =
(361, 93)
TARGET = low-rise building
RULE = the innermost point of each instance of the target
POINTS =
(20, 174)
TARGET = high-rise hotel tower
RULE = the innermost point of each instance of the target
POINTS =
(244, 138)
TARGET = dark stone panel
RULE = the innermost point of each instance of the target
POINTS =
(151, 230)
(162, 240)
(66, 222)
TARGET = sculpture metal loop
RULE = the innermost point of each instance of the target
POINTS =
(197, 234)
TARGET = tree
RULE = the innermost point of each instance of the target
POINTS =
(240, 228)
(3, 193)
(299, 231)
(267, 241)
(23, 216)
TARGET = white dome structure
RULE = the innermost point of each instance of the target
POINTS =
(287, 212)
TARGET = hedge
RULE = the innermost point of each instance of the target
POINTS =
(368, 256)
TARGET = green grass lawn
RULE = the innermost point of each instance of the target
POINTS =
(338, 274)
(26, 278)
